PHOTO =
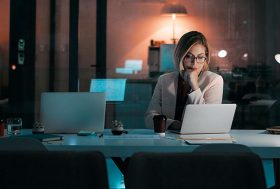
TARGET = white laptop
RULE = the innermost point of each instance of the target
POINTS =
(72, 112)
(207, 119)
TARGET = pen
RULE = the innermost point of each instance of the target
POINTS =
(206, 138)
(171, 138)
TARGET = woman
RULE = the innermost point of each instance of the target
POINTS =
(192, 83)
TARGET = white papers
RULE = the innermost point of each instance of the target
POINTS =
(131, 136)
(263, 102)
(207, 138)
(208, 141)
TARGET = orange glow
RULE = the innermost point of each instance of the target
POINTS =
(13, 67)
(173, 17)
(277, 58)
(222, 53)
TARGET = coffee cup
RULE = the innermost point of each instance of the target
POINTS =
(160, 124)
(2, 127)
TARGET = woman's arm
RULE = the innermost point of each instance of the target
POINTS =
(212, 95)
(154, 106)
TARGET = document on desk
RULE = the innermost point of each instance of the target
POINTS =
(267, 103)
(131, 136)
(207, 138)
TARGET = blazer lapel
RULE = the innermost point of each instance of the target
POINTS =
(172, 94)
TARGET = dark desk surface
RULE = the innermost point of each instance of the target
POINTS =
(267, 146)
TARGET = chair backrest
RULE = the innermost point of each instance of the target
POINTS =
(52, 169)
(21, 144)
(201, 170)
(223, 148)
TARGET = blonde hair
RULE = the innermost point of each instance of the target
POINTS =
(185, 43)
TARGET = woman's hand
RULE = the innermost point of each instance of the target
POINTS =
(191, 76)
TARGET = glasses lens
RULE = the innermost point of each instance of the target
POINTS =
(192, 58)
(189, 57)
(200, 59)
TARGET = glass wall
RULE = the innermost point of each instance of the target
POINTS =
(247, 30)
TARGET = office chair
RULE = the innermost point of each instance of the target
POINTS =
(21, 144)
(223, 148)
(53, 169)
(201, 170)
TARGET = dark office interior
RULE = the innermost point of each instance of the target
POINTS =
(65, 44)
(61, 45)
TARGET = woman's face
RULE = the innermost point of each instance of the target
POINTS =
(195, 58)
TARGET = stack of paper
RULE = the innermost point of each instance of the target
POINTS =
(44, 137)
(207, 138)
(132, 136)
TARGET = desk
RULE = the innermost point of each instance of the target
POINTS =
(267, 146)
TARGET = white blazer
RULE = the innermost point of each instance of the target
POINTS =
(163, 101)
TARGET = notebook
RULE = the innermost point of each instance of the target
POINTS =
(207, 119)
(198, 139)
(71, 112)
(44, 137)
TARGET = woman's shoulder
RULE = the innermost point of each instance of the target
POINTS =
(210, 74)
(168, 78)
(169, 75)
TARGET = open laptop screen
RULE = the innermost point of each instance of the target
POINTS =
(207, 118)
(71, 112)
(113, 88)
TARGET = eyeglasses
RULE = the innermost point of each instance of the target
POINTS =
(191, 58)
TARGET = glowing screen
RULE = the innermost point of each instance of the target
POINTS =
(166, 58)
(113, 88)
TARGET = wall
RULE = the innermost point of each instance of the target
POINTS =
(131, 26)
(235, 25)
(4, 41)
(42, 52)
(87, 42)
